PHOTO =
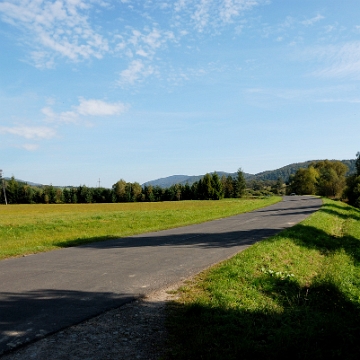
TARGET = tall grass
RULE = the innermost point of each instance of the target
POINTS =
(293, 296)
(26, 229)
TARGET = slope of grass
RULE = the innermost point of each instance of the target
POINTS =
(293, 296)
(26, 229)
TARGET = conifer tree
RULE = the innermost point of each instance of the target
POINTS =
(239, 184)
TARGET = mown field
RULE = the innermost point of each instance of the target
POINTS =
(26, 229)
(293, 296)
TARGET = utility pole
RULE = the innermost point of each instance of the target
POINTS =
(99, 182)
(3, 186)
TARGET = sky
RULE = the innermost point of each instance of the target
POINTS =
(94, 91)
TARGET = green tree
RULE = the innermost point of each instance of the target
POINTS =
(228, 186)
(187, 193)
(357, 163)
(352, 191)
(119, 189)
(205, 190)
(304, 181)
(135, 191)
(12, 191)
(67, 196)
(84, 194)
(331, 180)
(217, 188)
(149, 195)
(240, 184)
(277, 187)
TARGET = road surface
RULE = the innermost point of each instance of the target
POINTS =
(43, 293)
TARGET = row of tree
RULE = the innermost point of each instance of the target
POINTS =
(210, 187)
(327, 178)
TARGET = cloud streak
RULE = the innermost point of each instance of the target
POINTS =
(29, 132)
(91, 107)
(339, 60)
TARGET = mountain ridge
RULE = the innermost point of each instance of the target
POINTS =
(268, 175)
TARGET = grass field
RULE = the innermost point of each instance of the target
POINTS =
(26, 229)
(293, 296)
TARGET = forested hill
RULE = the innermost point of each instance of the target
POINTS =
(283, 173)
(185, 179)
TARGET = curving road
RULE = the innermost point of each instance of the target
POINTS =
(43, 293)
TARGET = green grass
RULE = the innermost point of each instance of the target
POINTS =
(293, 296)
(26, 229)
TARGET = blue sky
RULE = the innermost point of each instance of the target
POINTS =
(146, 89)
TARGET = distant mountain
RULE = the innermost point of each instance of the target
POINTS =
(283, 173)
(186, 179)
(34, 184)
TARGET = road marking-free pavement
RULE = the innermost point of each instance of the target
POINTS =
(44, 293)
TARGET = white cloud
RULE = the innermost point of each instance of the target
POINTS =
(65, 117)
(207, 15)
(338, 60)
(28, 132)
(95, 107)
(143, 43)
(136, 71)
(58, 27)
(30, 147)
(233, 8)
(313, 20)
(66, 29)
(91, 107)
(201, 14)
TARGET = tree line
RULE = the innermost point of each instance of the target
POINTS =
(327, 178)
(209, 187)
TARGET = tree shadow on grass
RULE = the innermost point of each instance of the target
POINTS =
(313, 238)
(318, 321)
(314, 323)
(338, 211)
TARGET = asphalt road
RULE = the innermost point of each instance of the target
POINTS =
(41, 294)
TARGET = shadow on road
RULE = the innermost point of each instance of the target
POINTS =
(26, 317)
(222, 238)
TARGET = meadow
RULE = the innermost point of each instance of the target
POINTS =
(293, 296)
(28, 229)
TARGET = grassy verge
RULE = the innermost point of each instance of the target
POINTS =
(294, 296)
(26, 229)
